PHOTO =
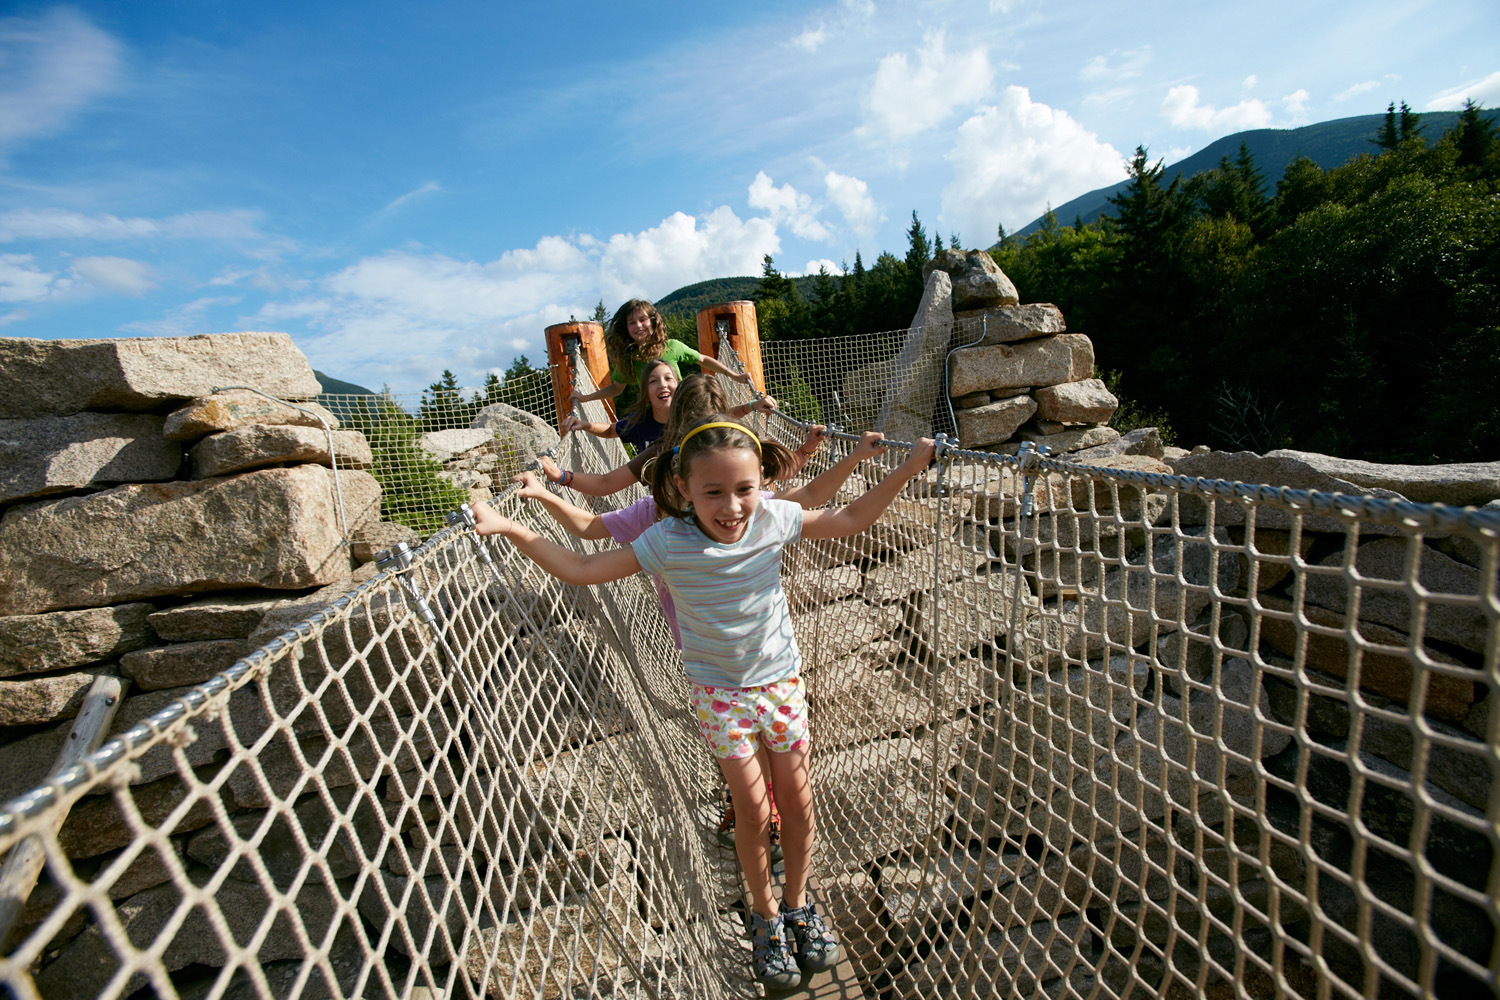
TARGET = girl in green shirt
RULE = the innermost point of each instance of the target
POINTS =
(637, 335)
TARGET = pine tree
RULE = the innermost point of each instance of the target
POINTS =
(1410, 123)
(1387, 137)
(600, 316)
(918, 250)
(1474, 137)
(773, 284)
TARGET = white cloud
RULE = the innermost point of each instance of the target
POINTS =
(1130, 63)
(1356, 90)
(812, 267)
(852, 196)
(50, 68)
(14, 316)
(787, 204)
(431, 187)
(1012, 159)
(1249, 83)
(1296, 104)
(402, 317)
(677, 252)
(22, 281)
(1182, 109)
(811, 39)
(1485, 91)
(60, 224)
(905, 100)
(116, 274)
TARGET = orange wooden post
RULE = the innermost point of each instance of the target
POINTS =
(590, 337)
(743, 336)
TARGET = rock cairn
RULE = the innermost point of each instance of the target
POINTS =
(1016, 375)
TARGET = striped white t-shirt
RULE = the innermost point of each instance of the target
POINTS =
(736, 628)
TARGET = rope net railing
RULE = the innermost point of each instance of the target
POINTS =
(1079, 732)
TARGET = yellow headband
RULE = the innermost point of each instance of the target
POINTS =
(719, 423)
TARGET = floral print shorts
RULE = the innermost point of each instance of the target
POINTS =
(731, 718)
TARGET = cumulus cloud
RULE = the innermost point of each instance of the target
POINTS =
(1014, 158)
(116, 274)
(905, 99)
(813, 266)
(1354, 91)
(1485, 91)
(787, 204)
(678, 252)
(22, 281)
(852, 197)
(402, 317)
(50, 68)
(1182, 108)
(1296, 104)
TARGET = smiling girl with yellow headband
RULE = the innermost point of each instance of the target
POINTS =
(719, 553)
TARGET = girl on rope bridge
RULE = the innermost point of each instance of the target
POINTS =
(691, 403)
(637, 335)
(696, 396)
(719, 552)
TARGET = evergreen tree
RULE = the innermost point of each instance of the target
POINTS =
(1474, 137)
(1387, 137)
(918, 250)
(600, 316)
(1410, 126)
(773, 284)
(918, 253)
(443, 406)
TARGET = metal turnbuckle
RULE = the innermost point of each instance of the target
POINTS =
(464, 517)
(397, 560)
(1031, 455)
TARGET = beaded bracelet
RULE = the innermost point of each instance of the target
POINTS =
(566, 478)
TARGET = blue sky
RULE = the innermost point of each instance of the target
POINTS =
(409, 187)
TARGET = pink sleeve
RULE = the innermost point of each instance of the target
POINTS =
(625, 526)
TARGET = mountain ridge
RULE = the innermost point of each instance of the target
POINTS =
(1328, 144)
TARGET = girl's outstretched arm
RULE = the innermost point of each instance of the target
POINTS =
(588, 483)
(608, 392)
(714, 366)
(579, 522)
(819, 490)
(598, 428)
(568, 566)
(765, 404)
(863, 512)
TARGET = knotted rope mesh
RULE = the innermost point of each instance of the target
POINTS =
(1084, 732)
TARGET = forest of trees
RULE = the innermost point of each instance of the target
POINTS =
(1352, 311)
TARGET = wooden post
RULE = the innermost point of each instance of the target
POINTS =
(590, 337)
(24, 863)
(744, 336)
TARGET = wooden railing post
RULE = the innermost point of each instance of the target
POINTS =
(590, 338)
(743, 335)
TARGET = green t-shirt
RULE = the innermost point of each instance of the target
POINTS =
(674, 354)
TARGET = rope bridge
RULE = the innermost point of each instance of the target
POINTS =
(1080, 732)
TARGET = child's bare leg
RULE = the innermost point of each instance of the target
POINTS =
(752, 821)
(794, 799)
